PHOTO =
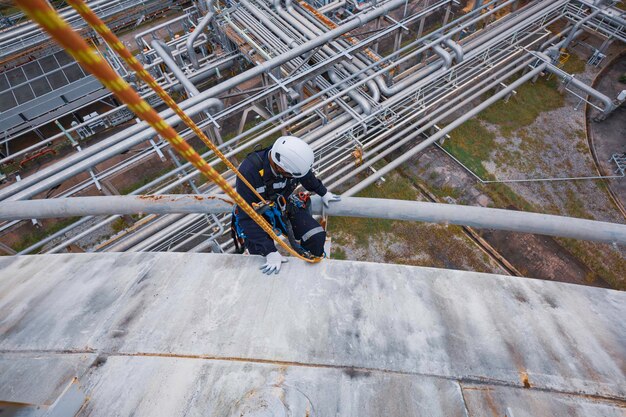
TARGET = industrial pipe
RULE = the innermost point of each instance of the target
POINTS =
(479, 217)
(121, 205)
(41, 180)
(140, 35)
(444, 55)
(291, 42)
(459, 121)
(456, 48)
(332, 6)
(578, 25)
(353, 94)
(194, 36)
(165, 54)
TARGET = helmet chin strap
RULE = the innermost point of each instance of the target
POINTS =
(276, 174)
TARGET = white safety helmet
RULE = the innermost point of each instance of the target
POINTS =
(293, 155)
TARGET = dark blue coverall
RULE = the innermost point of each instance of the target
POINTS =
(305, 228)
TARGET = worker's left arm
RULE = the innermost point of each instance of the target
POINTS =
(311, 183)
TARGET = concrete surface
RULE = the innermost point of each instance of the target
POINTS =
(163, 334)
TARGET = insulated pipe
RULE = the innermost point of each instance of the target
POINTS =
(609, 106)
(207, 72)
(291, 42)
(82, 161)
(429, 118)
(95, 154)
(120, 205)
(577, 26)
(308, 20)
(197, 78)
(312, 32)
(79, 162)
(480, 217)
(292, 19)
(354, 95)
(444, 55)
(456, 48)
(360, 5)
(194, 36)
(163, 51)
(148, 241)
(441, 133)
(332, 6)
(131, 239)
(155, 28)
(434, 69)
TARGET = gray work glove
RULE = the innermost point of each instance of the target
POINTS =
(273, 262)
(330, 197)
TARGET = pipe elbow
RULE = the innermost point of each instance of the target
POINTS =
(456, 48)
(362, 102)
(215, 104)
(444, 55)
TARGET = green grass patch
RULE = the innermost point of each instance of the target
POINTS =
(132, 187)
(574, 64)
(338, 253)
(471, 144)
(574, 206)
(119, 224)
(608, 266)
(395, 187)
(504, 197)
(444, 191)
(523, 108)
(30, 239)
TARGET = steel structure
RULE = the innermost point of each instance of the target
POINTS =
(357, 81)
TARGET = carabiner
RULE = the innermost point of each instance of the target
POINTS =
(281, 202)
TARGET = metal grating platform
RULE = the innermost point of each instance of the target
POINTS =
(151, 334)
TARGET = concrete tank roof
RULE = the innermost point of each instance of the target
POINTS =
(172, 334)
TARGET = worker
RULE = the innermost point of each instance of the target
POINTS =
(275, 173)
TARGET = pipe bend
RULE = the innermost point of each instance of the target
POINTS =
(457, 48)
(444, 55)
(194, 36)
(354, 95)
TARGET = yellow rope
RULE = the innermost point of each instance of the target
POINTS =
(114, 42)
(47, 17)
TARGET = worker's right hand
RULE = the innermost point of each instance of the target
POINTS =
(273, 262)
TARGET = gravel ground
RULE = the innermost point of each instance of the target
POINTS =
(554, 146)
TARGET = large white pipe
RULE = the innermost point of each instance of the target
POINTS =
(479, 217)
